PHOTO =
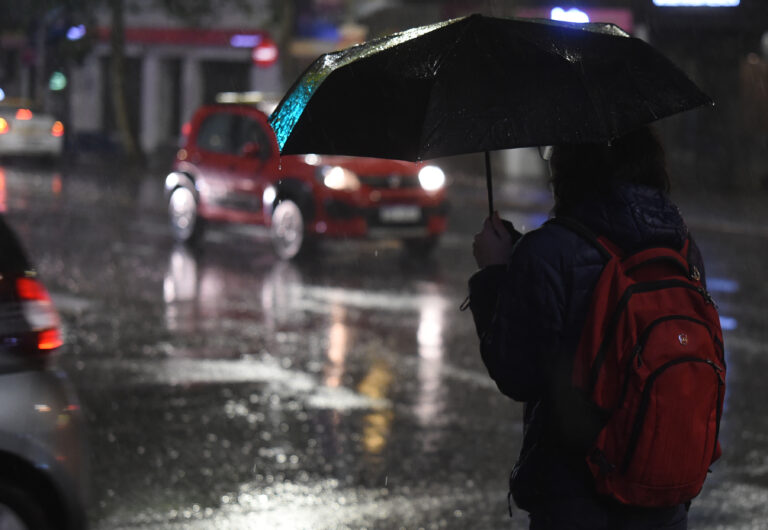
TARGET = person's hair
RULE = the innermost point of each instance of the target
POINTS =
(584, 170)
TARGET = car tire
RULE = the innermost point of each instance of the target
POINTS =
(19, 509)
(289, 238)
(420, 247)
(187, 226)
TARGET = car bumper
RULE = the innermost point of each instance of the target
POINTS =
(11, 145)
(392, 220)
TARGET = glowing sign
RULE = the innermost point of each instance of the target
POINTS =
(245, 41)
(76, 32)
(697, 3)
(572, 15)
(265, 53)
(58, 81)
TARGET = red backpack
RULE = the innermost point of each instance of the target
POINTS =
(651, 358)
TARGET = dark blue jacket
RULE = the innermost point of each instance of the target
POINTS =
(529, 316)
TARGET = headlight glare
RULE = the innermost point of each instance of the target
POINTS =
(431, 178)
(339, 178)
(269, 195)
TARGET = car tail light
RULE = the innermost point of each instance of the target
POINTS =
(4, 127)
(40, 313)
(23, 114)
(186, 129)
(58, 129)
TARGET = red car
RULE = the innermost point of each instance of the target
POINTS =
(230, 170)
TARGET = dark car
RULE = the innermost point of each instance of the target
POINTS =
(230, 170)
(42, 468)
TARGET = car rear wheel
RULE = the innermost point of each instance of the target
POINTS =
(19, 510)
(288, 237)
(187, 226)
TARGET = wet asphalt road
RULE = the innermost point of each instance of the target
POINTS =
(226, 389)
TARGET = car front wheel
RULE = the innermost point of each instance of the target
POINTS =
(186, 225)
(288, 238)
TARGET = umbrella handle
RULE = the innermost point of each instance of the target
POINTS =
(488, 182)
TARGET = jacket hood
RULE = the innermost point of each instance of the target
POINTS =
(633, 217)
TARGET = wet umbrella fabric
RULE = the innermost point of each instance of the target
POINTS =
(478, 84)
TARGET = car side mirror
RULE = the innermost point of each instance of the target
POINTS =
(251, 150)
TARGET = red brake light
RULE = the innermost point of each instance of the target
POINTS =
(40, 313)
(30, 289)
(186, 129)
(50, 339)
(58, 129)
(23, 114)
(4, 127)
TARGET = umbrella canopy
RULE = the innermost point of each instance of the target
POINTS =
(477, 84)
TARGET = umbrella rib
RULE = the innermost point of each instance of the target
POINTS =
(423, 136)
(595, 106)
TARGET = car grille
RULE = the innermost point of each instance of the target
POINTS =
(343, 210)
(239, 201)
(390, 182)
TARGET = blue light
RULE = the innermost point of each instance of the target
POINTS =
(2, 94)
(76, 32)
(572, 15)
(244, 41)
(728, 323)
(722, 285)
(696, 3)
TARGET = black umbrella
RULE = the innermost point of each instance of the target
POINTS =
(477, 84)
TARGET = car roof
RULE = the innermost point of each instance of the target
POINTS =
(264, 101)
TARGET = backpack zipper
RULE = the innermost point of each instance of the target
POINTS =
(645, 402)
(638, 348)
(621, 306)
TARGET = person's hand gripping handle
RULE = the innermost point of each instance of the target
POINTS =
(493, 244)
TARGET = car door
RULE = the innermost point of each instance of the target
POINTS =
(215, 157)
(257, 161)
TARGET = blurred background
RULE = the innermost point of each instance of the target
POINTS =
(126, 75)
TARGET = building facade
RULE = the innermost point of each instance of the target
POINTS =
(170, 70)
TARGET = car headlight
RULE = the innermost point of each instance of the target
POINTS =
(339, 178)
(268, 197)
(431, 178)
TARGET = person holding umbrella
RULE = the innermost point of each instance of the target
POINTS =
(480, 84)
(530, 301)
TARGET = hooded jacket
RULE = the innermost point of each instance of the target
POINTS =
(529, 316)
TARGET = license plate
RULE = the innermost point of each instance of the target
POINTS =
(401, 213)
(29, 130)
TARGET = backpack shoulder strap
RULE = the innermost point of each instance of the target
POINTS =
(581, 229)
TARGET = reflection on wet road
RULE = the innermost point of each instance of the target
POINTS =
(225, 389)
